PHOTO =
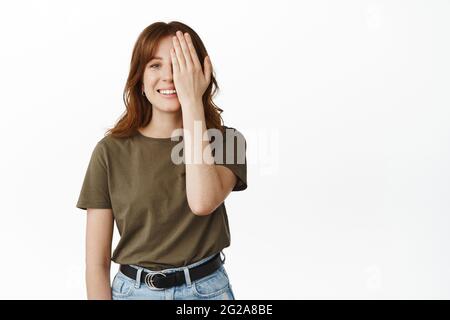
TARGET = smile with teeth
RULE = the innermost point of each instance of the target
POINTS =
(167, 92)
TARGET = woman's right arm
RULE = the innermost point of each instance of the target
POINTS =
(99, 233)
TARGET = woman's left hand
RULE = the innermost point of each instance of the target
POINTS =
(189, 79)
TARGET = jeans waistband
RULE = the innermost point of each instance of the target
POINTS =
(170, 270)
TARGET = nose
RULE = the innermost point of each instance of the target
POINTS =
(167, 72)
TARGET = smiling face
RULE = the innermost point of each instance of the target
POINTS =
(158, 75)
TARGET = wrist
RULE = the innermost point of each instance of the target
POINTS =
(193, 110)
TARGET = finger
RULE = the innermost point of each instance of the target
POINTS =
(178, 53)
(185, 50)
(208, 69)
(194, 55)
(175, 64)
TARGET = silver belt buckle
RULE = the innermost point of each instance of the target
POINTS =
(149, 280)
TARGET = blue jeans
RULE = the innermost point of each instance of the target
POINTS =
(215, 286)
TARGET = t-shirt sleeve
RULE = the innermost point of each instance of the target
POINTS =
(95, 191)
(234, 156)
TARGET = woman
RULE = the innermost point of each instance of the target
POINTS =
(170, 215)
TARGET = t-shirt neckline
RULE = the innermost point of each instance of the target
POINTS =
(155, 139)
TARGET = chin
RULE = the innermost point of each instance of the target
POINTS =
(169, 108)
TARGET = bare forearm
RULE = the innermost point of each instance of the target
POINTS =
(98, 282)
(202, 179)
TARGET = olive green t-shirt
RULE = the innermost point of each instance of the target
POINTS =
(146, 190)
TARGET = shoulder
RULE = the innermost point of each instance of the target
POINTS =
(110, 143)
(109, 140)
(106, 148)
(231, 132)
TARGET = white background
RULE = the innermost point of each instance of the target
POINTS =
(345, 107)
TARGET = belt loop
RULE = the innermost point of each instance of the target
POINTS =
(187, 276)
(137, 283)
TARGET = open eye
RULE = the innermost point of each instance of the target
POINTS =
(153, 65)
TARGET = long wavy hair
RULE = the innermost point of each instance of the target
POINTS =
(138, 111)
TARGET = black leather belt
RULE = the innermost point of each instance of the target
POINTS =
(160, 280)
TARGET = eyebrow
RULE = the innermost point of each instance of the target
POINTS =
(158, 58)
